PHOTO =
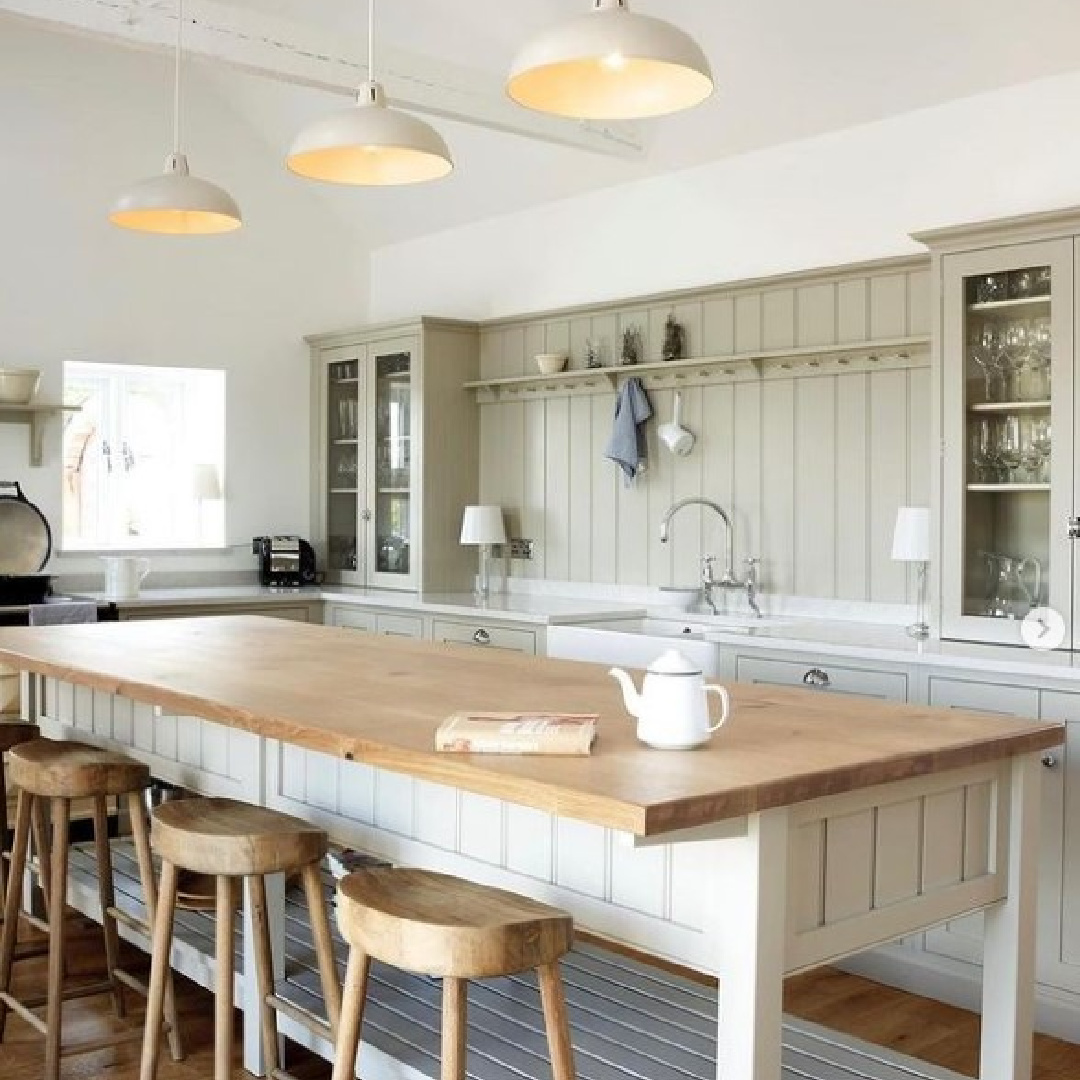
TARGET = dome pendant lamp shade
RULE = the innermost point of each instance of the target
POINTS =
(370, 144)
(176, 202)
(611, 64)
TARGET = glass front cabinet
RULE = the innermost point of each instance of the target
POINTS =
(386, 517)
(1007, 386)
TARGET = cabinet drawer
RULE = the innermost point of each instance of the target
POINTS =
(823, 675)
(984, 697)
(409, 626)
(483, 635)
(353, 618)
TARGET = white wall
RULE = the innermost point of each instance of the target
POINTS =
(80, 120)
(843, 197)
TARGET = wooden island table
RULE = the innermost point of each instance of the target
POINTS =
(811, 827)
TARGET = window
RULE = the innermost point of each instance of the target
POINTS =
(143, 458)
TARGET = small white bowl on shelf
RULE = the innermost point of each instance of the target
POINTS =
(551, 363)
(18, 385)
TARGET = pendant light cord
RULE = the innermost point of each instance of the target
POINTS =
(371, 41)
(176, 75)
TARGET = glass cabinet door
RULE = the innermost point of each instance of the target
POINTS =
(344, 465)
(1007, 365)
(393, 509)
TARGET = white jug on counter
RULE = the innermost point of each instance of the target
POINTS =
(672, 709)
(123, 575)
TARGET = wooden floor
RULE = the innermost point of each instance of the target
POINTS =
(911, 1025)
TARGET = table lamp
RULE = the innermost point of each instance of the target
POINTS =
(205, 487)
(911, 543)
(483, 525)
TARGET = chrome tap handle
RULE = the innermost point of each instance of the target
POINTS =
(752, 581)
(707, 575)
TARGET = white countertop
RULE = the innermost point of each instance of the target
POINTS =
(540, 610)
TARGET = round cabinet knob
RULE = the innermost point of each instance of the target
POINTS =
(482, 637)
(1049, 759)
(816, 677)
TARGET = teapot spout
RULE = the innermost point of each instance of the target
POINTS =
(631, 697)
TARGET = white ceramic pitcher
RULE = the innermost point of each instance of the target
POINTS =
(124, 574)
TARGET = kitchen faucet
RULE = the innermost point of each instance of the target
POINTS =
(729, 579)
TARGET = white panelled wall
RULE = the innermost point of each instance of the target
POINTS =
(811, 462)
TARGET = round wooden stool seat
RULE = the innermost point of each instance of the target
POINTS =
(435, 924)
(13, 732)
(227, 838)
(71, 770)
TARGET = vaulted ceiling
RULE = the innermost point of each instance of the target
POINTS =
(785, 69)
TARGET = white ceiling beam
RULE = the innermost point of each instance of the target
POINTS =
(311, 56)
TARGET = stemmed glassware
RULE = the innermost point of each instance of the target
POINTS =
(1007, 442)
(987, 346)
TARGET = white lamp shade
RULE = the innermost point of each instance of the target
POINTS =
(610, 64)
(176, 203)
(206, 482)
(483, 525)
(911, 538)
(370, 144)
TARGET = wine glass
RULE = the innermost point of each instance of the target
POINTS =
(1015, 355)
(1007, 445)
(986, 347)
(983, 455)
(1040, 442)
(1039, 357)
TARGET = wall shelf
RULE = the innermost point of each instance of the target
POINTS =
(811, 360)
(1007, 406)
(1003, 488)
(35, 417)
(1008, 305)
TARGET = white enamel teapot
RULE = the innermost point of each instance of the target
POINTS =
(672, 709)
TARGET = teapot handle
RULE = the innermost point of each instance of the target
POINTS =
(725, 705)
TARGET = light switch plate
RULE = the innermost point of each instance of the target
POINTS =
(520, 549)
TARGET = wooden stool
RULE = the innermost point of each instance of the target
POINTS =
(60, 772)
(12, 733)
(229, 840)
(433, 924)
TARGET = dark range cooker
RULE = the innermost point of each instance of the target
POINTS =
(25, 547)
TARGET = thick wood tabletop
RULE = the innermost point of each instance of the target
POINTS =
(378, 700)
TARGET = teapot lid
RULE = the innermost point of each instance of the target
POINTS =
(672, 662)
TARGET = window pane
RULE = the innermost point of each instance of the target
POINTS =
(144, 458)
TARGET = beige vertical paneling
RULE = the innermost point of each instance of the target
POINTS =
(634, 533)
(582, 468)
(654, 337)
(718, 327)
(849, 857)
(778, 319)
(715, 452)
(606, 479)
(557, 498)
(580, 332)
(815, 315)
(852, 487)
(490, 454)
(918, 300)
(639, 878)
(978, 826)
(807, 869)
(815, 487)
(513, 351)
(491, 346)
(533, 509)
(746, 491)
(605, 331)
(535, 342)
(660, 486)
(888, 487)
(688, 482)
(748, 323)
(919, 449)
(943, 840)
(512, 471)
(557, 336)
(888, 306)
(689, 318)
(852, 310)
(778, 483)
(898, 852)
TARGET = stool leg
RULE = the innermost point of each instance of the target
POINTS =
(61, 815)
(41, 849)
(223, 978)
(556, 1022)
(140, 832)
(264, 970)
(11, 900)
(324, 944)
(3, 829)
(352, 1015)
(160, 956)
(455, 1028)
(107, 897)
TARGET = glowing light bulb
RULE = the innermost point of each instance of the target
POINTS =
(614, 62)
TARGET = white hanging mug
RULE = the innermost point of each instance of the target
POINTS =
(675, 437)
(124, 574)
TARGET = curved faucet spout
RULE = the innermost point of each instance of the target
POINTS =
(665, 527)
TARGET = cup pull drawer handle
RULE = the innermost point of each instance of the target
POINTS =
(816, 677)
(1049, 759)
(482, 637)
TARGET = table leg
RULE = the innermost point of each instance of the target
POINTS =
(255, 1061)
(1008, 996)
(750, 930)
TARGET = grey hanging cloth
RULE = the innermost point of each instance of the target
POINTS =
(628, 447)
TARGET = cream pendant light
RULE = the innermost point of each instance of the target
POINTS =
(176, 202)
(370, 143)
(611, 64)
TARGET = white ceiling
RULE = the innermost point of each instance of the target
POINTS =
(785, 69)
